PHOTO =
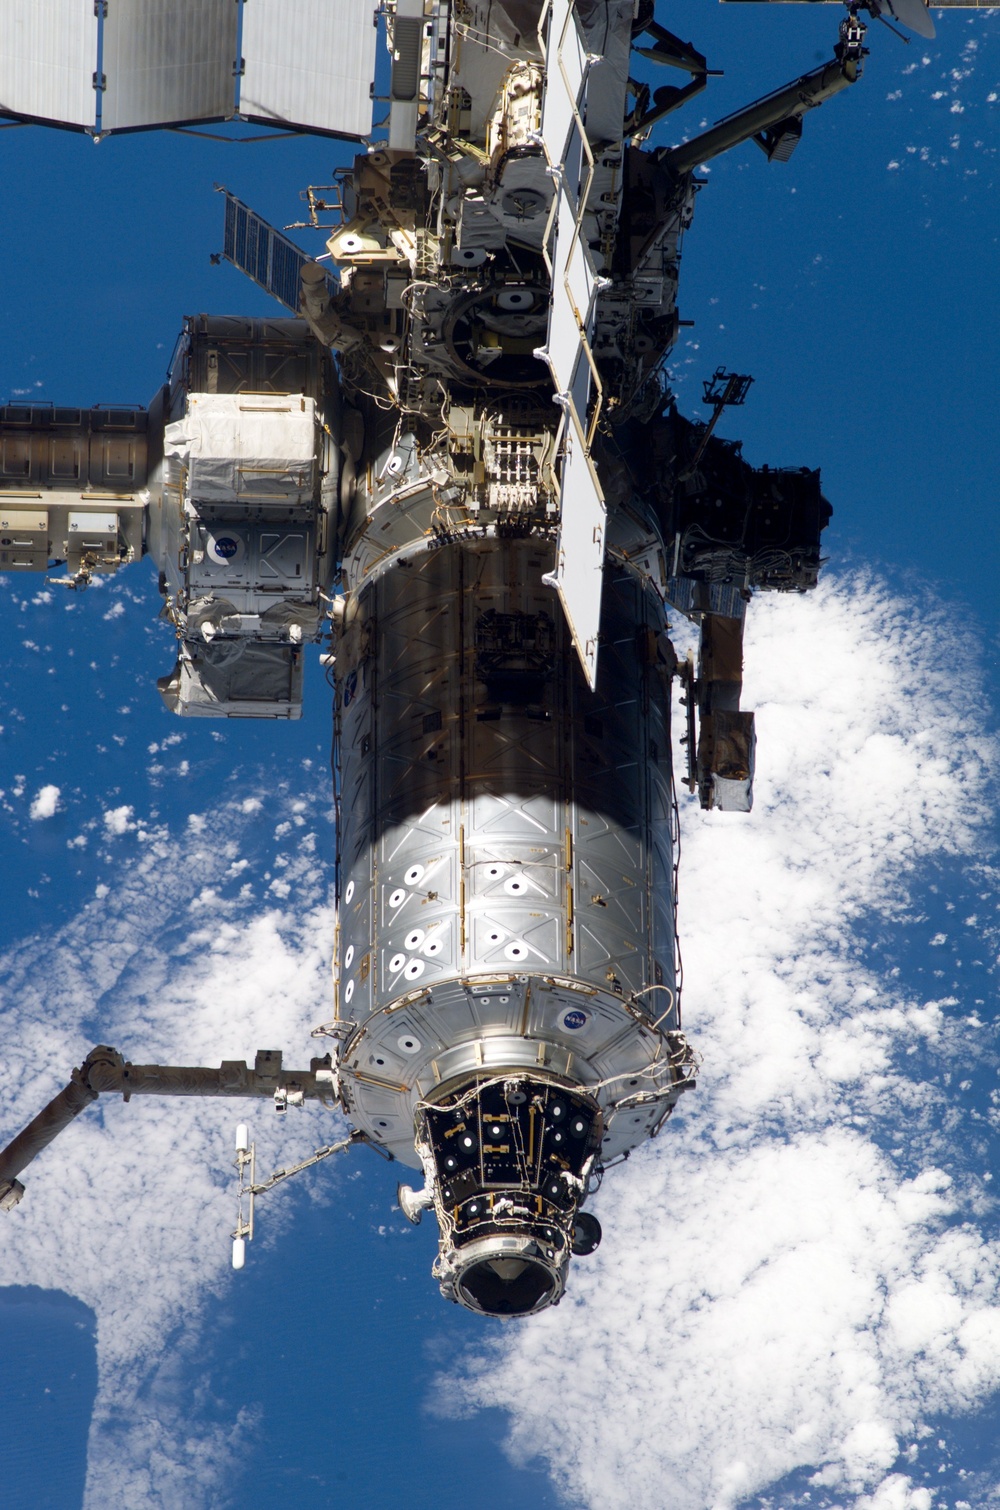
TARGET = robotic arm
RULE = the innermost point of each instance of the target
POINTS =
(105, 1070)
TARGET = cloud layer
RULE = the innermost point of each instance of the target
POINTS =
(791, 1280)
(794, 1277)
(185, 958)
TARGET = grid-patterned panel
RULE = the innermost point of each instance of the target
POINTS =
(258, 250)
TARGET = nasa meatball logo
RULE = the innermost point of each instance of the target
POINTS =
(575, 1019)
(224, 549)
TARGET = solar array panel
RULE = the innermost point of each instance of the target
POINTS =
(167, 62)
(264, 254)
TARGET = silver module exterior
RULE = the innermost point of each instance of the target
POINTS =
(506, 870)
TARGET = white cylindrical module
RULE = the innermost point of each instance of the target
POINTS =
(239, 1252)
(242, 1138)
(506, 940)
(498, 818)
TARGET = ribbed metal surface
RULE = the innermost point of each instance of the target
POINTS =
(233, 354)
(72, 450)
(168, 61)
(506, 866)
(309, 63)
(48, 60)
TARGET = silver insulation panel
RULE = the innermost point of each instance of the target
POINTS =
(168, 61)
(505, 836)
(306, 63)
(309, 63)
(48, 60)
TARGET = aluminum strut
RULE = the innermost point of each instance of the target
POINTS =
(792, 101)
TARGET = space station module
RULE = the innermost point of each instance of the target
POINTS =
(460, 467)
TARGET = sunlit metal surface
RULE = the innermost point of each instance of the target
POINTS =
(309, 63)
(48, 60)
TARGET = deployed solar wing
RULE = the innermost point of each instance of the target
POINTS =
(166, 62)
(264, 254)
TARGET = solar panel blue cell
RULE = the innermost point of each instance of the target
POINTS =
(264, 254)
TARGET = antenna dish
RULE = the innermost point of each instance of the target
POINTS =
(586, 1234)
(413, 1203)
(912, 13)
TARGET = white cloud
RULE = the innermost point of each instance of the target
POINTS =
(776, 1292)
(46, 803)
(897, 1493)
(777, 1295)
(118, 820)
(148, 1188)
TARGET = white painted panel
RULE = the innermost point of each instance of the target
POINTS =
(168, 61)
(574, 287)
(564, 349)
(309, 63)
(580, 547)
(48, 58)
(579, 276)
(565, 66)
